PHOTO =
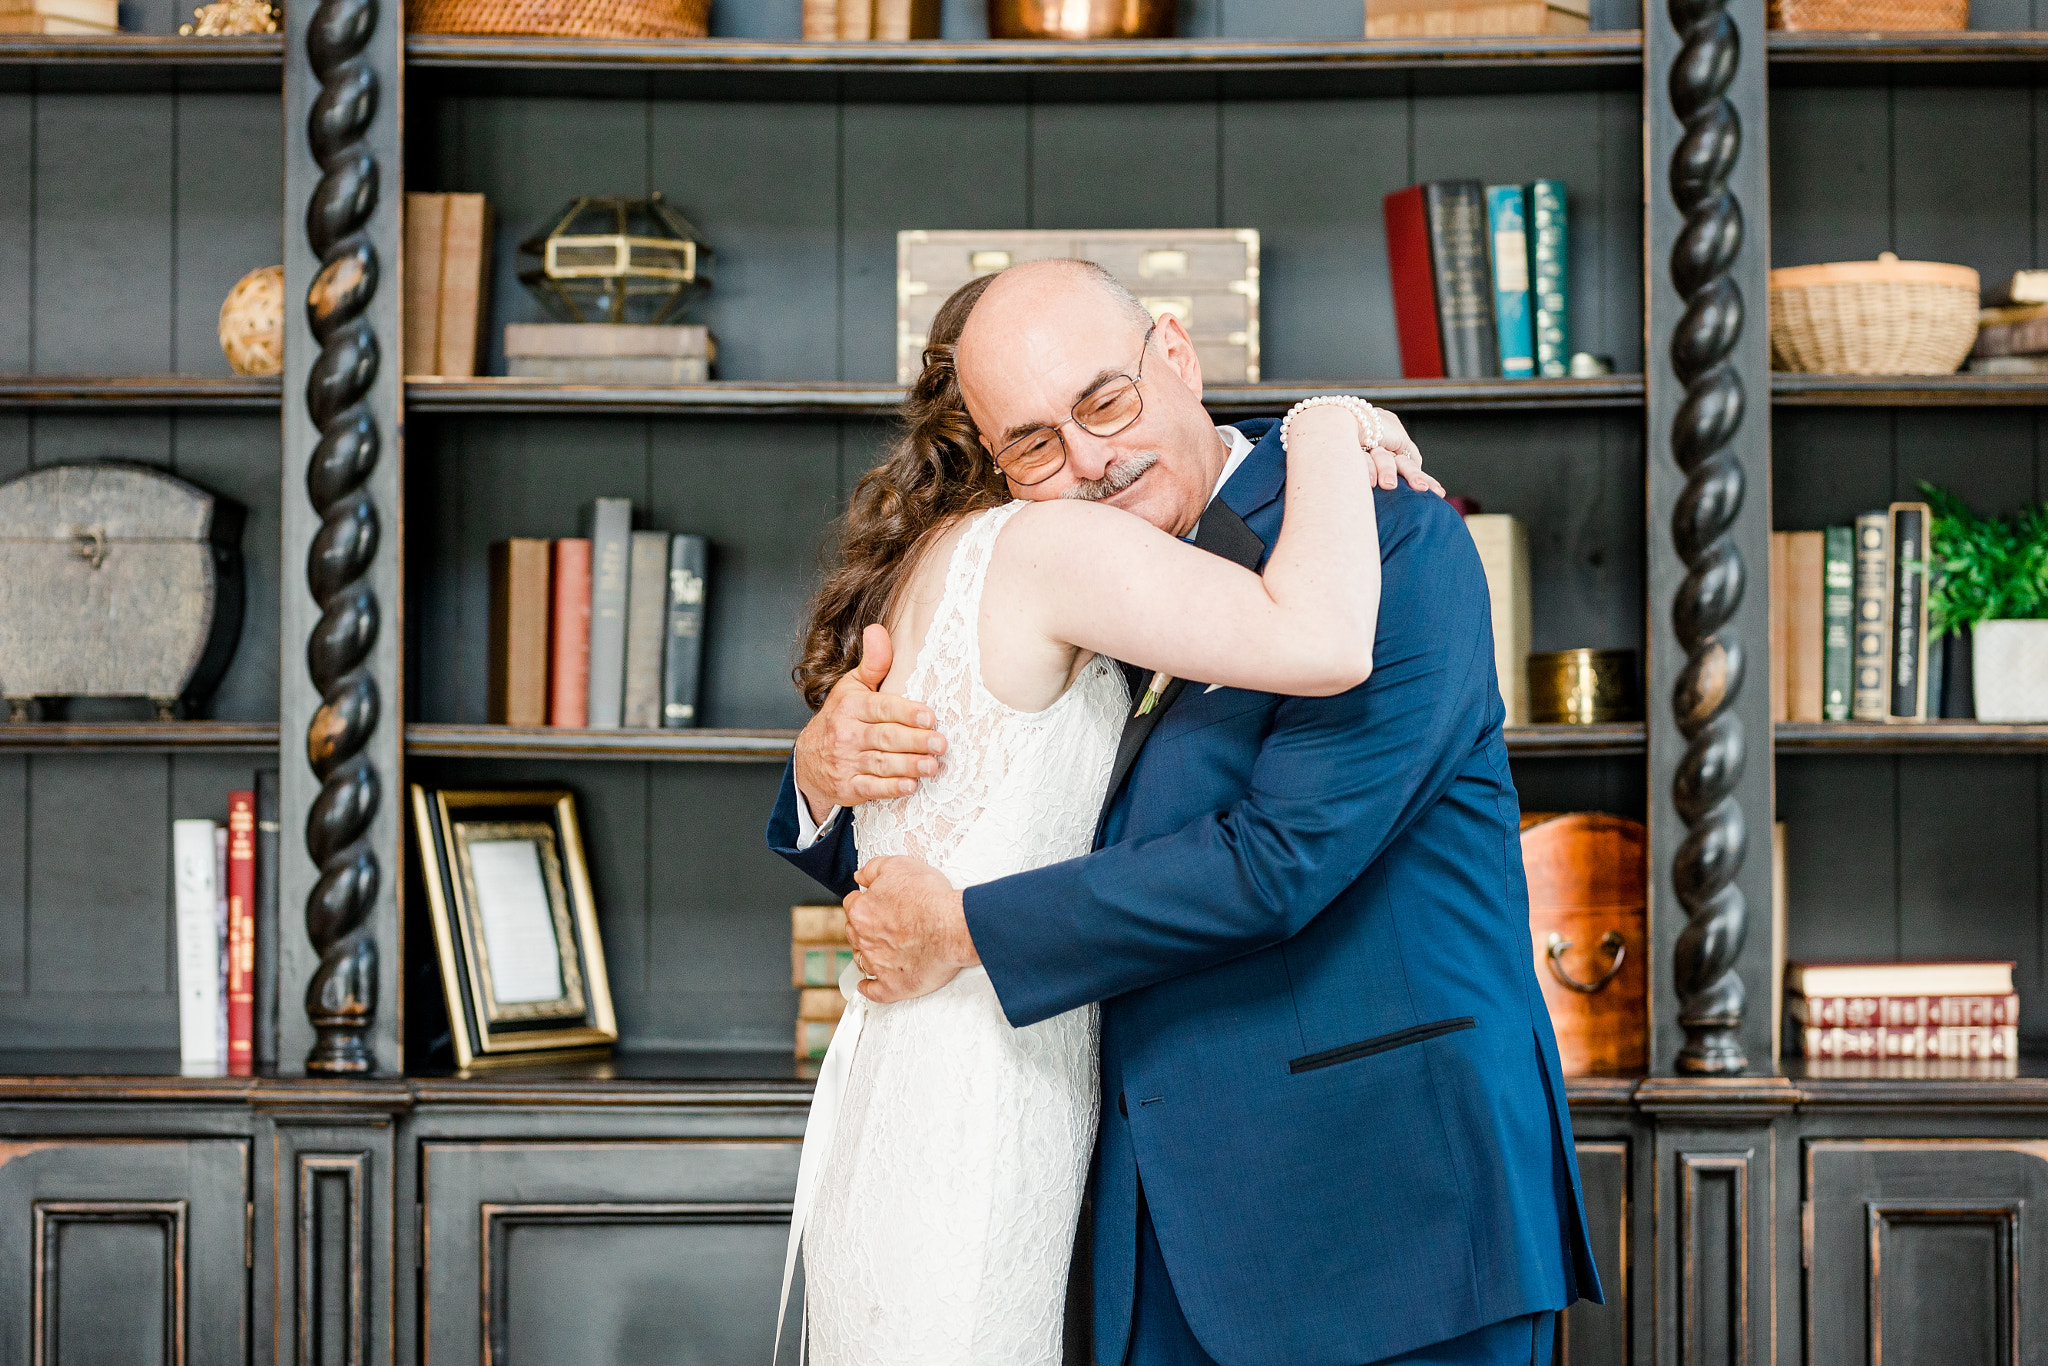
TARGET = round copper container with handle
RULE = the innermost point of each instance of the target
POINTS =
(1081, 18)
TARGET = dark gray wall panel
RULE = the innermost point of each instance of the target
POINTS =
(17, 233)
(13, 873)
(1126, 166)
(773, 19)
(237, 456)
(1957, 198)
(104, 198)
(1830, 174)
(229, 207)
(1829, 464)
(917, 166)
(1611, 783)
(1841, 855)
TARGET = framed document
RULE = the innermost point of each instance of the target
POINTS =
(515, 925)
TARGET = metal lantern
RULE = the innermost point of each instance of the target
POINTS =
(610, 259)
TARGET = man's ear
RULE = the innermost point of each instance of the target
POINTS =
(1180, 354)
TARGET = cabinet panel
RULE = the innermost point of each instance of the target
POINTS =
(123, 1252)
(1916, 1250)
(1598, 1334)
(628, 1252)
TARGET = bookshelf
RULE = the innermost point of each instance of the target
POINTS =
(800, 162)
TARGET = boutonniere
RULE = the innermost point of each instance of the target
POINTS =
(1157, 686)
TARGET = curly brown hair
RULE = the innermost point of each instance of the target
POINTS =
(938, 471)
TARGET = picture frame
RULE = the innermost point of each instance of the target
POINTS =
(514, 921)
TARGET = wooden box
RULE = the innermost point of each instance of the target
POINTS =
(116, 580)
(1474, 18)
(1206, 277)
(1588, 897)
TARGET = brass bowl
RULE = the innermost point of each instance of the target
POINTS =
(1583, 687)
(1077, 19)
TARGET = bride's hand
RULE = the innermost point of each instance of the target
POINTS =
(1396, 456)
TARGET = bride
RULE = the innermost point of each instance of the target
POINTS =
(946, 1155)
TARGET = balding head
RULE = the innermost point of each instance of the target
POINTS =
(1045, 334)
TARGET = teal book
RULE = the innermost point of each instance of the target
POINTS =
(1507, 223)
(1549, 284)
(1838, 623)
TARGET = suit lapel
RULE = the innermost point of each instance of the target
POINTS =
(1224, 533)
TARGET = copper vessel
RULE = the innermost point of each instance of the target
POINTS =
(1081, 18)
(1583, 687)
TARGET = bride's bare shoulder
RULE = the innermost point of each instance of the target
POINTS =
(1061, 525)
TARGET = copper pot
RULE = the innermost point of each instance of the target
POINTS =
(1081, 18)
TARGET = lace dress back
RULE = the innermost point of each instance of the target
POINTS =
(942, 1221)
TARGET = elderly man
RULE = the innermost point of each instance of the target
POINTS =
(1333, 1119)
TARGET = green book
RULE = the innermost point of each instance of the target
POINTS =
(1838, 623)
(1549, 259)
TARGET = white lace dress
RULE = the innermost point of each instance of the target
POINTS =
(942, 1196)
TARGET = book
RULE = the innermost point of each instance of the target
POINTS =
(898, 21)
(2008, 365)
(856, 19)
(587, 341)
(1414, 284)
(821, 20)
(2010, 313)
(1922, 978)
(1838, 618)
(220, 928)
(1912, 1069)
(241, 986)
(2023, 287)
(683, 632)
(646, 614)
(2012, 339)
(426, 217)
(814, 1038)
(820, 1003)
(465, 283)
(818, 965)
(1871, 697)
(611, 529)
(1463, 273)
(1507, 223)
(52, 24)
(1909, 525)
(1895, 1012)
(268, 830)
(198, 933)
(1781, 922)
(1958, 678)
(569, 635)
(611, 369)
(1503, 544)
(1949, 1041)
(1780, 627)
(103, 15)
(1805, 560)
(517, 668)
(1474, 18)
(1549, 273)
(817, 924)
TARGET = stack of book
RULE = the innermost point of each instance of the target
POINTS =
(1849, 624)
(1480, 281)
(880, 20)
(598, 631)
(610, 353)
(1926, 1011)
(818, 953)
(448, 240)
(225, 898)
(86, 17)
(1474, 18)
(2012, 327)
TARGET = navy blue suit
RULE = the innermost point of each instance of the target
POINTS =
(1324, 1051)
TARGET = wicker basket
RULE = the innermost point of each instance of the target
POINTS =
(1882, 317)
(1894, 16)
(563, 18)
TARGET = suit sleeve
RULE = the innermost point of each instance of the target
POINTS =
(831, 859)
(1336, 781)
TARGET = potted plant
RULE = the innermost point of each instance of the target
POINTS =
(1991, 579)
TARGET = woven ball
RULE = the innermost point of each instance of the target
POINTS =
(563, 18)
(252, 323)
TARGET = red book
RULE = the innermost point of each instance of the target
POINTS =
(1415, 317)
(241, 933)
(569, 636)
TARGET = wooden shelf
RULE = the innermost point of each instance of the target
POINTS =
(550, 742)
(94, 393)
(220, 737)
(497, 394)
(1572, 742)
(1910, 391)
(142, 61)
(1932, 737)
(1953, 51)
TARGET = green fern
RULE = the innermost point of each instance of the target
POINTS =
(1989, 569)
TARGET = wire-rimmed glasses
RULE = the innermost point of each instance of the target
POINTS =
(1108, 408)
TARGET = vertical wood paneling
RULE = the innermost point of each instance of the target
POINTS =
(1957, 198)
(104, 195)
(13, 873)
(99, 878)
(1086, 162)
(17, 233)
(1830, 174)
(237, 456)
(228, 216)
(1841, 856)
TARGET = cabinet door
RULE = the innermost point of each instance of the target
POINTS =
(123, 1252)
(1598, 1334)
(1916, 1252)
(664, 1253)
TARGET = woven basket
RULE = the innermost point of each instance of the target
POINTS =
(563, 18)
(1896, 16)
(1882, 317)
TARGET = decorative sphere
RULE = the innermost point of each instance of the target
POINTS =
(252, 323)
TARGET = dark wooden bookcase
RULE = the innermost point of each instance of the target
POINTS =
(1745, 1210)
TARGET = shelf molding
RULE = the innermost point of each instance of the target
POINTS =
(545, 742)
(1909, 391)
(1977, 46)
(96, 392)
(140, 737)
(1927, 737)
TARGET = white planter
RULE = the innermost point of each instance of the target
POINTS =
(2010, 663)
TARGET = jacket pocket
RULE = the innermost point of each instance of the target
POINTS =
(1365, 1048)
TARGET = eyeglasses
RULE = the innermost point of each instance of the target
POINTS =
(1105, 410)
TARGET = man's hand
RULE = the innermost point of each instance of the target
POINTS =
(909, 929)
(1397, 455)
(864, 745)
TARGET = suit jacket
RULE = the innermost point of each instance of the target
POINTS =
(1324, 1051)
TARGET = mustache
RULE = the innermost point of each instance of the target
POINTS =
(1114, 480)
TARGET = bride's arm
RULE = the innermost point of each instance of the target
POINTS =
(1104, 580)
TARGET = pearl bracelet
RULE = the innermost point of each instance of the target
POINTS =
(1367, 415)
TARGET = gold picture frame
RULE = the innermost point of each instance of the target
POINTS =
(515, 924)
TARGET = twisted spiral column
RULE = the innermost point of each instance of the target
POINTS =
(341, 997)
(1703, 872)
